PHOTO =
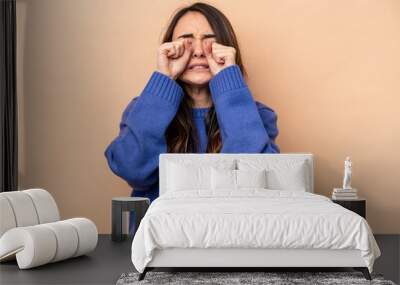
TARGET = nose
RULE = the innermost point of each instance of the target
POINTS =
(198, 48)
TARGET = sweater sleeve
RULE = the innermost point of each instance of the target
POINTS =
(246, 127)
(269, 119)
(134, 154)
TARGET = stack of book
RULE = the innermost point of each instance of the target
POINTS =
(344, 194)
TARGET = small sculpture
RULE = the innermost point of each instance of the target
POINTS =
(347, 174)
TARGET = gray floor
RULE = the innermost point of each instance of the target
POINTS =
(110, 260)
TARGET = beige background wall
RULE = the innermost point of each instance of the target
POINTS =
(330, 69)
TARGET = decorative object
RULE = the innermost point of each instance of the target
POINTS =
(120, 204)
(31, 231)
(347, 192)
(347, 173)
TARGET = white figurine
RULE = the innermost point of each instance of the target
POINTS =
(347, 174)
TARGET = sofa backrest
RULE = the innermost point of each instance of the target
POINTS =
(26, 208)
(213, 158)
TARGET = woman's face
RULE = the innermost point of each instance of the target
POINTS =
(195, 26)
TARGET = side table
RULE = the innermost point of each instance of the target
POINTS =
(358, 206)
(120, 204)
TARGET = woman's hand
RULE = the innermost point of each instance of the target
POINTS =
(173, 57)
(218, 56)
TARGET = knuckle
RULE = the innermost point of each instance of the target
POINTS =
(164, 47)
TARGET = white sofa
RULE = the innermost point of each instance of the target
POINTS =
(31, 231)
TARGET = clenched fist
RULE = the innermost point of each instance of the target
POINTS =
(218, 56)
(173, 57)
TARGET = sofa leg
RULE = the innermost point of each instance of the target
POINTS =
(364, 271)
(143, 274)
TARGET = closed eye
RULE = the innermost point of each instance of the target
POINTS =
(205, 36)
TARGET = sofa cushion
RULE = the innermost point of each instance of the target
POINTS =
(7, 215)
(23, 208)
(45, 205)
(27, 208)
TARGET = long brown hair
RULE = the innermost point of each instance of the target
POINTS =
(181, 134)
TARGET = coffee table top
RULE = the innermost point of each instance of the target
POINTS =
(129, 199)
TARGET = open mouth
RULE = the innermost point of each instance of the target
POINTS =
(199, 67)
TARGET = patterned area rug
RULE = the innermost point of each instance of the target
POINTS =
(270, 278)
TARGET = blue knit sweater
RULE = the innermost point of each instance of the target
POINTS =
(246, 126)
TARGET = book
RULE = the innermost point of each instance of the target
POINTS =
(335, 197)
(345, 194)
(341, 190)
(345, 198)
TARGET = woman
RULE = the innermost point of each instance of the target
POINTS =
(196, 101)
